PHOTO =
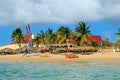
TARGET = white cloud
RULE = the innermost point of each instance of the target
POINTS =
(57, 11)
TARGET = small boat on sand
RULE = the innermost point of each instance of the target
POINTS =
(44, 54)
(30, 49)
(71, 56)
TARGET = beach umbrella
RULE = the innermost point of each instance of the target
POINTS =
(14, 51)
(23, 49)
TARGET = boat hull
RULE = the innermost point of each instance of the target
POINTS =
(29, 54)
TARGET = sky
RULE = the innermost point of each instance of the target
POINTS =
(102, 15)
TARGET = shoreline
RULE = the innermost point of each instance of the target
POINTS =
(95, 57)
(106, 56)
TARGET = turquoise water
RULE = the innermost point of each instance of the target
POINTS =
(59, 71)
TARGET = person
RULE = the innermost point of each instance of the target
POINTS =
(101, 48)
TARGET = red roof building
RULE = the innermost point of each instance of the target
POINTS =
(91, 39)
(72, 40)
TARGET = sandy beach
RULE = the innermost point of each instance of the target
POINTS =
(106, 56)
(95, 57)
(12, 46)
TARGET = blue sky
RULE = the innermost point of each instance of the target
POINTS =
(103, 28)
(102, 15)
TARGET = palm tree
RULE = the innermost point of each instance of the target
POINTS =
(42, 37)
(39, 39)
(63, 34)
(51, 37)
(82, 33)
(36, 41)
(117, 43)
(17, 36)
(118, 33)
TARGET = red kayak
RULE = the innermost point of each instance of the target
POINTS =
(71, 56)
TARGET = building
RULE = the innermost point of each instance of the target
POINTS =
(94, 38)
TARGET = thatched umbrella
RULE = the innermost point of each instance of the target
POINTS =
(14, 52)
(8, 51)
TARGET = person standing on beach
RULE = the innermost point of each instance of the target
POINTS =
(101, 48)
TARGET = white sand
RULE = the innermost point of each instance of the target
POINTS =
(96, 57)
(12, 46)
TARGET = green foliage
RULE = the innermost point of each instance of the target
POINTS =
(106, 43)
(17, 36)
(82, 32)
(118, 33)
(76, 51)
(36, 41)
(63, 34)
(117, 43)
(47, 37)
(61, 51)
(95, 44)
(42, 36)
(51, 37)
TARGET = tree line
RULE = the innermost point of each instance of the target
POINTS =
(62, 35)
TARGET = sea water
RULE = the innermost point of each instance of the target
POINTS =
(59, 71)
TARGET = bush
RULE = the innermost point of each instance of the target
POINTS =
(61, 51)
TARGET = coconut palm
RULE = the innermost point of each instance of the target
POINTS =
(117, 43)
(41, 37)
(51, 37)
(63, 34)
(17, 36)
(118, 33)
(82, 33)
